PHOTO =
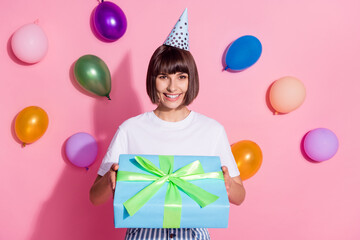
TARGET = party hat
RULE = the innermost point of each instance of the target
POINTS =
(179, 35)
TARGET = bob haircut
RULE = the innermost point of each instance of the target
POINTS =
(170, 60)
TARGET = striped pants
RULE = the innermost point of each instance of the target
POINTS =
(167, 234)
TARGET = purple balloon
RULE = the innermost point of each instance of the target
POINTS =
(321, 144)
(109, 21)
(81, 149)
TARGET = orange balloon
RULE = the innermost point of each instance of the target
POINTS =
(287, 94)
(248, 157)
(30, 124)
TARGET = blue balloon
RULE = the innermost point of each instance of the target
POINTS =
(243, 53)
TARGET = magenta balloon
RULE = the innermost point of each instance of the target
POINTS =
(109, 21)
(81, 149)
(321, 144)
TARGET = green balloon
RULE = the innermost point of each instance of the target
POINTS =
(93, 75)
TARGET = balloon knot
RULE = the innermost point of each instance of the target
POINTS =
(226, 68)
(87, 169)
(108, 97)
(23, 144)
(276, 113)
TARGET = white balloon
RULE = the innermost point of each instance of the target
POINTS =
(29, 43)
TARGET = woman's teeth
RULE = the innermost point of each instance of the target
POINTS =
(172, 96)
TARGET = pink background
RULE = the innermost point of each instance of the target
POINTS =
(44, 197)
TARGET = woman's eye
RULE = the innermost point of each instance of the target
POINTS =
(183, 77)
(162, 76)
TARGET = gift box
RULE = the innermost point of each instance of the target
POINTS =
(156, 191)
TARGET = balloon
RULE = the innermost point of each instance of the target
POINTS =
(29, 43)
(81, 149)
(287, 94)
(109, 21)
(243, 53)
(30, 124)
(93, 75)
(248, 157)
(320, 144)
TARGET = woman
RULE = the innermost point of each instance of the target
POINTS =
(171, 129)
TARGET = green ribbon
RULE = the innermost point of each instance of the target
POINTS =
(177, 179)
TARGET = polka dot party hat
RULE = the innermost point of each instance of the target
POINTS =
(179, 35)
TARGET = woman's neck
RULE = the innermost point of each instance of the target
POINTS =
(172, 115)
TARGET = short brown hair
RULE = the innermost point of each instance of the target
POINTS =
(170, 60)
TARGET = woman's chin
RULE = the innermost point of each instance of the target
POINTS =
(170, 107)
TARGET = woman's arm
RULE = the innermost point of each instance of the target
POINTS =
(234, 187)
(104, 186)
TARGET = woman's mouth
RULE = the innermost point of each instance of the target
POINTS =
(172, 97)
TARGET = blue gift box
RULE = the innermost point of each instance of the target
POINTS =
(151, 214)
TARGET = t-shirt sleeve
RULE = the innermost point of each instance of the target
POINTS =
(224, 151)
(117, 146)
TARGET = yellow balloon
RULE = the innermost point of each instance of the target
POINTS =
(248, 157)
(30, 124)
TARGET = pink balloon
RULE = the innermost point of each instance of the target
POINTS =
(287, 94)
(29, 43)
(81, 149)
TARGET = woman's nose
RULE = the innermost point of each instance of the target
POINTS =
(171, 86)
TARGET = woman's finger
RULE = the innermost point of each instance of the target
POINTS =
(113, 171)
(225, 171)
(113, 180)
(114, 167)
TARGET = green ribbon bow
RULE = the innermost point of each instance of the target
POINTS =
(177, 179)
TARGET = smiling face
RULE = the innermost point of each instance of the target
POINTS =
(171, 90)
(172, 71)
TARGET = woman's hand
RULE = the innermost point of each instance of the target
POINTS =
(111, 176)
(227, 179)
(104, 186)
(234, 187)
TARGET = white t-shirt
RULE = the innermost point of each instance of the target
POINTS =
(196, 135)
